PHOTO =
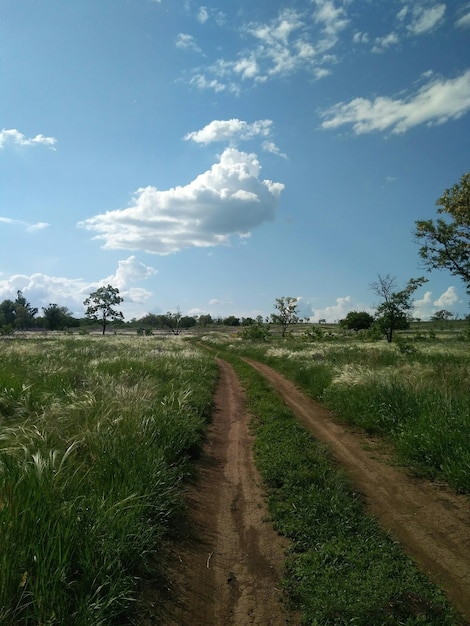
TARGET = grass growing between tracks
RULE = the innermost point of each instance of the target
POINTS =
(342, 568)
(96, 439)
(415, 393)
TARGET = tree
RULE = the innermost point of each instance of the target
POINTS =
(231, 320)
(205, 320)
(394, 312)
(287, 312)
(442, 315)
(7, 313)
(100, 305)
(57, 317)
(357, 320)
(24, 312)
(446, 241)
(173, 321)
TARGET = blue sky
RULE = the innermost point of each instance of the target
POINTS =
(212, 156)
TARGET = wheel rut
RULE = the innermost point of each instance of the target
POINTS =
(430, 521)
(228, 570)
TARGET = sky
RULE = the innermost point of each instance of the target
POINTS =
(212, 156)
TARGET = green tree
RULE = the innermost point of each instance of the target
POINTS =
(231, 320)
(394, 312)
(287, 312)
(24, 312)
(101, 305)
(7, 313)
(442, 315)
(357, 320)
(445, 242)
(57, 317)
(205, 320)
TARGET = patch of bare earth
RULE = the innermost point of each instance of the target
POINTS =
(431, 522)
(228, 570)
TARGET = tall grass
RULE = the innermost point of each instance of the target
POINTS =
(415, 393)
(96, 438)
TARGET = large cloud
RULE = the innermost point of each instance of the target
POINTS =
(437, 101)
(228, 199)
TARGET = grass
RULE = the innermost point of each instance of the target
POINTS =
(415, 393)
(341, 568)
(96, 440)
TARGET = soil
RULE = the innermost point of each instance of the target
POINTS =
(228, 569)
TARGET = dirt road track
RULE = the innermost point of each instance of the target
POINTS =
(431, 523)
(228, 572)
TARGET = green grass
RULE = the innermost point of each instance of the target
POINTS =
(96, 439)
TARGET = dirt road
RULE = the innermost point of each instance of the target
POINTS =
(228, 570)
(431, 523)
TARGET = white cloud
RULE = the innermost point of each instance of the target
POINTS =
(41, 289)
(382, 43)
(186, 42)
(30, 228)
(230, 130)
(360, 37)
(425, 19)
(332, 19)
(334, 312)
(414, 19)
(436, 102)
(447, 299)
(270, 146)
(203, 15)
(228, 199)
(464, 21)
(15, 137)
(234, 131)
(291, 42)
(129, 271)
(426, 306)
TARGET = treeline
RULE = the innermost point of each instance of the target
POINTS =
(20, 315)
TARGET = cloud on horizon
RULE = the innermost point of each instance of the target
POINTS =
(42, 290)
(229, 199)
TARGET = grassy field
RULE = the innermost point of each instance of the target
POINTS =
(98, 435)
(96, 439)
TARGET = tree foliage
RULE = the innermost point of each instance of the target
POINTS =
(393, 313)
(445, 242)
(17, 313)
(57, 317)
(287, 312)
(101, 305)
(442, 315)
(357, 320)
